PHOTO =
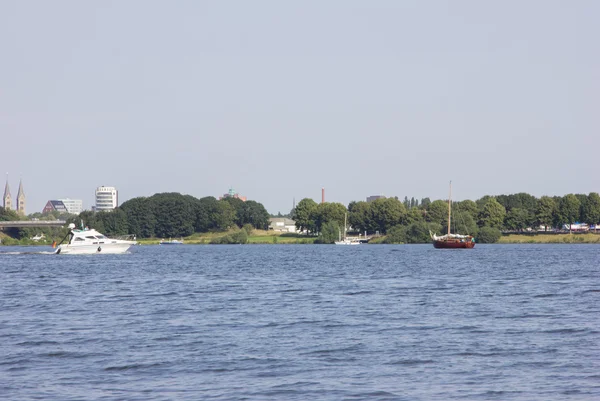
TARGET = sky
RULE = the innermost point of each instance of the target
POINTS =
(279, 99)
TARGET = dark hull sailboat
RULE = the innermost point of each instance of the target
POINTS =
(452, 241)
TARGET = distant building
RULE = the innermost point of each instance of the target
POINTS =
(282, 224)
(233, 194)
(74, 206)
(55, 206)
(107, 198)
(21, 200)
(7, 199)
(374, 198)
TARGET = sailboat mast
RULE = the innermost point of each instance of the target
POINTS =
(345, 229)
(449, 202)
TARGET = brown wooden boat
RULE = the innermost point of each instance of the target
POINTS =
(452, 241)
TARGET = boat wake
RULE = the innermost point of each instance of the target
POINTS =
(29, 253)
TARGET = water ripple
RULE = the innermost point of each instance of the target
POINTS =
(285, 322)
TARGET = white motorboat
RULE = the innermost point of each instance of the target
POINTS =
(89, 241)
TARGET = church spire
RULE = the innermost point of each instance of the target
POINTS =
(7, 199)
(6, 187)
(21, 199)
(21, 192)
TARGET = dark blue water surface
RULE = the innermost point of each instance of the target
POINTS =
(302, 322)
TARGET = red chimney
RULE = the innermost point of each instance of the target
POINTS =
(323, 195)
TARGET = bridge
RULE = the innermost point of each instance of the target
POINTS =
(32, 223)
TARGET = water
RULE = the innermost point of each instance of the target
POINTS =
(285, 322)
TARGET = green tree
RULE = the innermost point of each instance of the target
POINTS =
(223, 215)
(418, 233)
(462, 223)
(304, 214)
(359, 216)
(517, 219)
(568, 209)
(467, 206)
(396, 235)
(591, 210)
(175, 214)
(386, 213)
(140, 217)
(114, 222)
(238, 237)
(330, 232)
(249, 228)
(255, 214)
(238, 206)
(518, 201)
(482, 201)
(545, 211)
(492, 215)
(488, 235)
(406, 203)
(437, 212)
(8, 215)
(88, 218)
(414, 215)
(327, 212)
(206, 211)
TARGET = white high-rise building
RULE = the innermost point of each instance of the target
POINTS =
(106, 198)
(74, 206)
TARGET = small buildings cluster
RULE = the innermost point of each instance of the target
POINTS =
(72, 206)
(106, 198)
(282, 225)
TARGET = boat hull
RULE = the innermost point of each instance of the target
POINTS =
(93, 249)
(453, 244)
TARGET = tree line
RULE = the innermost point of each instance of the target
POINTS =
(175, 215)
(167, 215)
(410, 221)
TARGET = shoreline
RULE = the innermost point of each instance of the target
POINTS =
(578, 238)
(274, 239)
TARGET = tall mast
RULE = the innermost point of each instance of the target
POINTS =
(345, 217)
(449, 202)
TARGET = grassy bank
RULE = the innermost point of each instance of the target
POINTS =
(255, 237)
(587, 238)
(270, 237)
(10, 241)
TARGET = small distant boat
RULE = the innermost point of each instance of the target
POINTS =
(89, 241)
(170, 242)
(347, 240)
(37, 237)
(452, 241)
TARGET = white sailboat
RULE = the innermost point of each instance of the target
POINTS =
(347, 240)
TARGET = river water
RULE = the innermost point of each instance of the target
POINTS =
(298, 322)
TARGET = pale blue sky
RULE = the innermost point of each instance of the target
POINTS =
(281, 98)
